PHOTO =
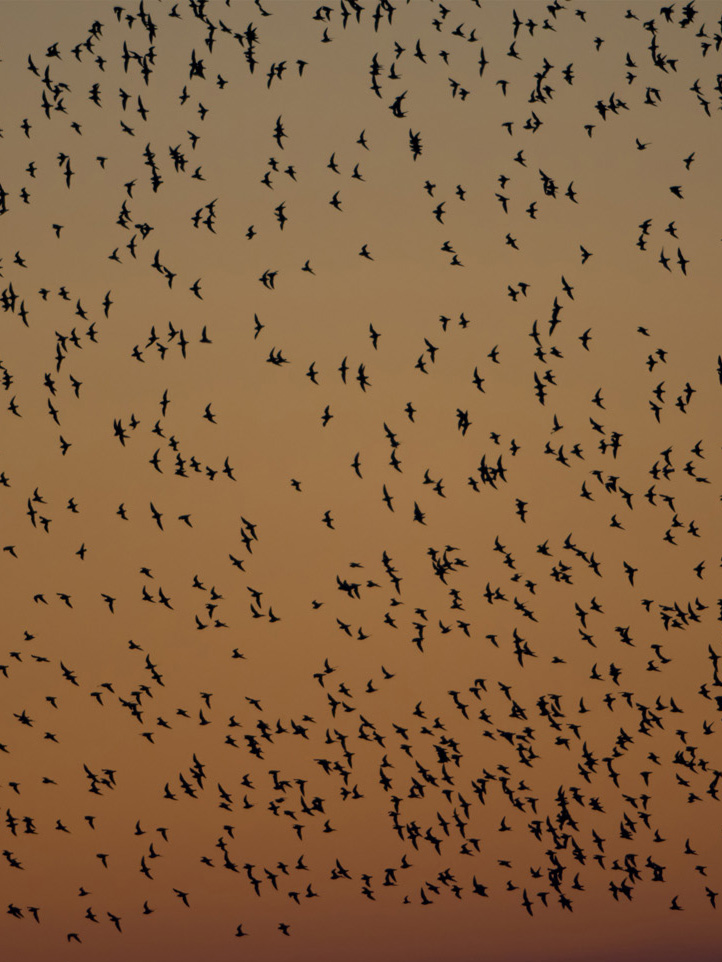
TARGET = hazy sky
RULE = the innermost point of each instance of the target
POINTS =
(360, 465)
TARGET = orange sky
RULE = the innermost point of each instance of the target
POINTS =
(570, 602)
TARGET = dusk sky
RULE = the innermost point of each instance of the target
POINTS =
(360, 481)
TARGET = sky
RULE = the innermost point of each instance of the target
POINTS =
(360, 480)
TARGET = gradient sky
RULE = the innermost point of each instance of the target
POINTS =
(229, 608)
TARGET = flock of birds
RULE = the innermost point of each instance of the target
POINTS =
(543, 674)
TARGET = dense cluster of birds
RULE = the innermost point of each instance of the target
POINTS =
(495, 587)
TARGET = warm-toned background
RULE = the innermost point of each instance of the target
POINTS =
(268, 425)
